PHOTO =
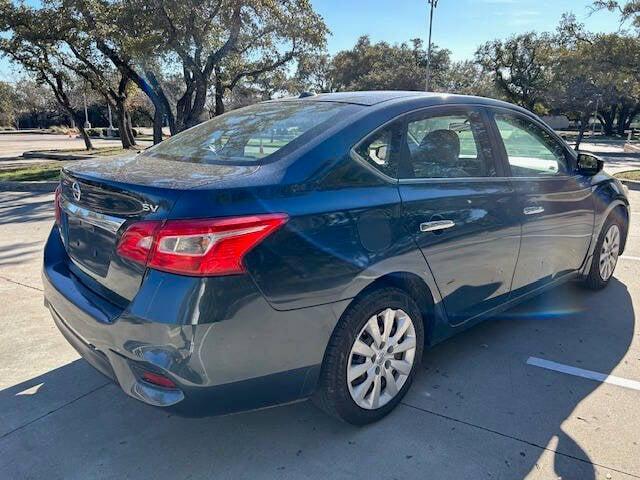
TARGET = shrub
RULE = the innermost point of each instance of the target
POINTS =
(62, 129)
(94, 132)
(116, 132)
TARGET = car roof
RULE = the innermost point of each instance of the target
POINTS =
(368, 97)
(419, 99)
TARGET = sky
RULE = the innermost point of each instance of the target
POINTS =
(459, 25)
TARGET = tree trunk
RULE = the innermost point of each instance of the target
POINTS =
(219, 95)
(607, 118)
(57, 86)
(160, 103)
(122, 127)
(584, 123)
(634, 112)
(87, 141)
(132, 138)
(197, 114)
(623, 115)
(157, 126)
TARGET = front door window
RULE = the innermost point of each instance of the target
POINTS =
(531, 150)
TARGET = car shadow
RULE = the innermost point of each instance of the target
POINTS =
(476, 410)
(482, 377)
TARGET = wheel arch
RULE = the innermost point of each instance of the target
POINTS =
(416, 288)
(621, 212)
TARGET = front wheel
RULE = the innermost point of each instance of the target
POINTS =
(372, 357)
(605, 256)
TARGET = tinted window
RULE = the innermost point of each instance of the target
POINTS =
(531, 150)
(380, 149)
(250, 134)
(449, 146)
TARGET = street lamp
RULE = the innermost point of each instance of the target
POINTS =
(86, 113)
(110, 128)
(433, 4)
(595, 116)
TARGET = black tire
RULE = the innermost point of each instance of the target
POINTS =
(332, 394)
(594, 280)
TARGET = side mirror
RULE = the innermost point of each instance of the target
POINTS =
(589, 164)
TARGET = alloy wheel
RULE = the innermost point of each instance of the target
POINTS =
(609, 252)
(381, 358)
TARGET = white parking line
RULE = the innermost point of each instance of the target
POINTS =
(580, 372)
(627, 257)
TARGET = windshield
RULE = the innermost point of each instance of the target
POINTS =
(251, 134)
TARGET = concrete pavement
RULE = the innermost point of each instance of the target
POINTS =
(477, 409)
(12, 146)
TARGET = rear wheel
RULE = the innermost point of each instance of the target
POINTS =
(372, 357)
(605, 256)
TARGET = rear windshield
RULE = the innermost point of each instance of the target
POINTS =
(252, 134)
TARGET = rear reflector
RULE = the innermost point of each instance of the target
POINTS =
(197, 247)
(158, 380)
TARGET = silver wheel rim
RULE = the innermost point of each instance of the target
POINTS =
(381, 358)
(609, 252)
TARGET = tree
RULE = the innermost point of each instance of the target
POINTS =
(606, 69)
(8, 100)
(629, 9)
(314, 74)
(383, 66)
(575, 88)
(469, 78)
(69, 50)
(30, 45)
(227, 41)
(121, 32)
(519, 66)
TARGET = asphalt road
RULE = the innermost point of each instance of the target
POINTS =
(481, 407)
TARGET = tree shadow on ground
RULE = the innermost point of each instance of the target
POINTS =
(25, 207)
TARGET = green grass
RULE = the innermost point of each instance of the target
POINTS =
(32, 173)
(96, 152)
(630, 175)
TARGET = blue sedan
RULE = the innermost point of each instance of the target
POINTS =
(315, 247)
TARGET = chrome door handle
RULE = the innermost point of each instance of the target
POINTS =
(436, 225)
(533, 210)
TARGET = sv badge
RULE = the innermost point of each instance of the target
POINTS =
(147, 207)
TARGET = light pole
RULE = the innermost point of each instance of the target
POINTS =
(433, 4)
(86, 114)
(595, 117)
(110, 128)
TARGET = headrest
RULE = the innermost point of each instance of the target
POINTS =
(441, 145)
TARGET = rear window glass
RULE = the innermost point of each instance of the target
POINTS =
(251, 134)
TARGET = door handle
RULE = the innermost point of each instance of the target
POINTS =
(436, 225)
(533, 210)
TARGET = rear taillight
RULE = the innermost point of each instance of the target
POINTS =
(56, 203)
(197, 247)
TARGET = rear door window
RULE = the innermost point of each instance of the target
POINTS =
(442, 145)
(381, 149)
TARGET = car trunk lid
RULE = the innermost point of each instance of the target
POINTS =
(94, 214)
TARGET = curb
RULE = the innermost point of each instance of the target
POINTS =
(33, 186)
(628, 148)
(631, 184)
(56, 156)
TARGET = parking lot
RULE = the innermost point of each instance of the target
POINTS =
(507, 399)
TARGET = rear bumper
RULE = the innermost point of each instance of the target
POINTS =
(235, 352)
